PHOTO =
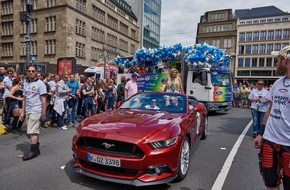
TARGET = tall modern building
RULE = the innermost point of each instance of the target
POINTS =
(218, 28)
(260, 31)
(148, 13)
(87, 30)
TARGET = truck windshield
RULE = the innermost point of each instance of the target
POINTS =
(220, 79)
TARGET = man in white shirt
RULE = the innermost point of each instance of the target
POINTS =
(274, 137)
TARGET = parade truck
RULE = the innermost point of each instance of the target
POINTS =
(211, 85)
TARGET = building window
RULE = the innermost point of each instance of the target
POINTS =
(112, 40)
(261, 62)
(133, 34)
(227, 43)
(269, 48)
(98, 14)
(285, 19)
(254, 62)
(33, 48)
(216, 43)
(34, 4)
(50, 23)
(262, 48)
(7, 7)
(112, 22)
(80, 50)
(50, 3)
(7, 28)
(285, 44)
(277, 47)
(133, 49)
(277, 19)
(256, 36)
(286, 33)
(98, 35)
(242, 37)
(263, 35)
(33, 25)
(262, 21)
(269, 62)
(248, 49)
(81, 5)
(278, 34)
(255, 49)
(7, 49)
(96, 52)
(123, 45)
(261, 73)
(270, 35)
(240, 62)
(269, 20)
(247, 62)
(124, 28)
(243, 73)
(241, 50)
(80, 27)
(249, 36)
(50, 47)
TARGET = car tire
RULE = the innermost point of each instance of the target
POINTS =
(184, 160)
(205, 130)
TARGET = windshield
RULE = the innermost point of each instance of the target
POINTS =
(220, 79)
(169, 102)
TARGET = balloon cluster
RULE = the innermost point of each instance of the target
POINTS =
(204, 55)
(199, 55)
(152, 55)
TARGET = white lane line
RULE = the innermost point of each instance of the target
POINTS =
(220, 180)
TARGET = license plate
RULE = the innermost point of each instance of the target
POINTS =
(224, 104)
(104, 160)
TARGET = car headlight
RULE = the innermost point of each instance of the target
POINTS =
(164, 143)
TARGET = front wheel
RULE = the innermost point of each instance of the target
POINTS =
(184, 160)
(205, 130)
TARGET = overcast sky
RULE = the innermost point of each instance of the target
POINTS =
(179, 18)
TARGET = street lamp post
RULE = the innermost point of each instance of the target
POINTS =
(25, 16)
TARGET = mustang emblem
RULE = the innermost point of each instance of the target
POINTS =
(107, 145)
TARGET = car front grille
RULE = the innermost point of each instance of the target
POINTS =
(109, 169)
(110, 147)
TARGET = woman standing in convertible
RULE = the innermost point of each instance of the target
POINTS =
(174, 83)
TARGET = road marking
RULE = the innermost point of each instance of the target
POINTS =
(220, 180)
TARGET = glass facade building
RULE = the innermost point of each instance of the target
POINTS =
(148, 13)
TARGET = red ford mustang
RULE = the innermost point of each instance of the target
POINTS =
(147, 141)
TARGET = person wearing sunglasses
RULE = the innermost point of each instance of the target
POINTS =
(258, 105)
(33, 110)
(274, 137)
(152, 105)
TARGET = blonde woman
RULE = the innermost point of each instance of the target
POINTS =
(173, 83)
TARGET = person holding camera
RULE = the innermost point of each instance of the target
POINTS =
(258, 105)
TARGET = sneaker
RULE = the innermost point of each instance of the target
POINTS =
(63, 128)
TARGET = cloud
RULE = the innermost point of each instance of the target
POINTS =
(179, 19)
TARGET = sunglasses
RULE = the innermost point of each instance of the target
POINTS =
(31, 71)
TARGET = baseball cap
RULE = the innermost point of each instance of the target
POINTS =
(135, 75)
(284, 52)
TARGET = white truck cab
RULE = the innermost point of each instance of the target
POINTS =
(97, 72)
(212, 86)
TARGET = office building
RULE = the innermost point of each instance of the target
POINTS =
(148, 13)
(260, 31)
(218, 28)
(88, 30)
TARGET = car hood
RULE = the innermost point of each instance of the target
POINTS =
(133, 124)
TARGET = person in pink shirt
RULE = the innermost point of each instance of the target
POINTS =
(131, 87)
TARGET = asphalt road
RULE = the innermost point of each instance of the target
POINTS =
(51, 170)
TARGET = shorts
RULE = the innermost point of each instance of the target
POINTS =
(16, 106)
(275, 158)
(33, 123)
